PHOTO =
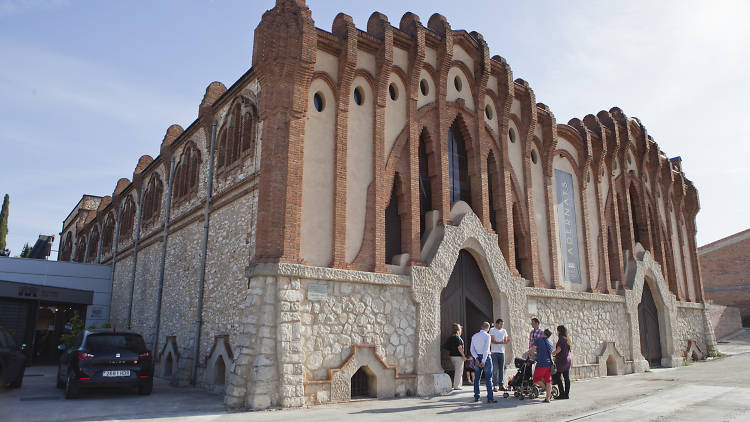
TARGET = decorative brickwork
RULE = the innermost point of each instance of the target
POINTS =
(277, 284)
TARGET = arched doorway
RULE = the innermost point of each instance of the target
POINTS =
(648, 324)
(465, 300)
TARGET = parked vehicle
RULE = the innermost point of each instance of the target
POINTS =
(105, 358)
(12, 361)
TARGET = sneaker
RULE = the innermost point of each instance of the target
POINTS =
(476, 399)
(491, 401)
(494, 390)
(546, 401)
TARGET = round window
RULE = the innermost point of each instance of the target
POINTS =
(424, 87)
(488, 112)
(534, 158)
(457, 83)
(359, 97)
(318, 101)
(393, 91)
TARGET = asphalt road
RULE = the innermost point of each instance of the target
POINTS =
(716, 390)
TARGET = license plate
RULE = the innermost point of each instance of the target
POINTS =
(116, 373)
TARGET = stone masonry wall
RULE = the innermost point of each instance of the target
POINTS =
(357, 314)
(591, 320)
(690, 325)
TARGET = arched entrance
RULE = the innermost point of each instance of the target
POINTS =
(465, 300)
(648, 324)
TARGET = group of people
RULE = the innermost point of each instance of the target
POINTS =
(487, 357)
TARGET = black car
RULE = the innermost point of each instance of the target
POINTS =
(105, 358)
(12, 361)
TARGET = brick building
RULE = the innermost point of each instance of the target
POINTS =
(322, 223)
(725, 265)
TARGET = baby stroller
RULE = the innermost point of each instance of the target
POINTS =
(522, 383)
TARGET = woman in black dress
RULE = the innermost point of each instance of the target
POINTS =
(562, 361)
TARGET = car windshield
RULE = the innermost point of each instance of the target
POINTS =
(97, 343)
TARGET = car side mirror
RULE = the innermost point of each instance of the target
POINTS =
(61, 347)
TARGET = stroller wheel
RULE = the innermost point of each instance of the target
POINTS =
(506, 395)
(535, 392)
(521, 397)
(555, 392)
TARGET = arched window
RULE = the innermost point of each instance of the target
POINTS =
(152, 200)
(460, 190)
(425, 187)
(492, 184)
(186, 174)
(640, 225)
(393, 223)
(80, 248)
(127, 218)
(521, 244)
(237, 136)
(108, 231)
(67, 248)
(93, 245)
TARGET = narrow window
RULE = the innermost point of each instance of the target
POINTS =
(460, 189)
(425, 188)
(393, 224)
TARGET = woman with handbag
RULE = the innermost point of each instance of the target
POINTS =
(562, 362)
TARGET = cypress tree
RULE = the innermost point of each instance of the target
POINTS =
(4, 222)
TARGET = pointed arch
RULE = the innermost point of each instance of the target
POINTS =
(493, 184)
(108, 231)
(427, 179)
(458, 165)
(152, 200)
(67, 248)
(395, 214)
(187, 174)
(127, 218)
(80, 248)
(93, 241)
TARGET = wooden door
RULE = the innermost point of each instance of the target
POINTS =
(648, 323)
(465, 300)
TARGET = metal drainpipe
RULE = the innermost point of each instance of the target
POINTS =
(157, 323)
(114, 256)
(135, 253)
(204, 248)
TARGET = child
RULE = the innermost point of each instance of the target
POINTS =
(469, 369)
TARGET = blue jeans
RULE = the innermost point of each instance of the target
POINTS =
(498, 365)
(487, 376)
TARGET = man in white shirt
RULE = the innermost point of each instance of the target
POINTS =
(499, 338)
(480, 350)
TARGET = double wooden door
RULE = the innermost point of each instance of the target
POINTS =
(465, 300)
(648, 324)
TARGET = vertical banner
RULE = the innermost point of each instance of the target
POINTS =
(566, 224)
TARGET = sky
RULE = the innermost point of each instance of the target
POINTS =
(88, 86)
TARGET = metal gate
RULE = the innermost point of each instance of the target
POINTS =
(361, 384)
(648, 324)
(465, 300)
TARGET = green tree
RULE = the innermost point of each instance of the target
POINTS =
(4, 221)
(76, 327)
(26, 251)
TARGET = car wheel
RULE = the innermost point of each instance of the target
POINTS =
(72, 389)
(19, 381)
(146, 388)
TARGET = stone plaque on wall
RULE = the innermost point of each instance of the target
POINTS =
(567, 228)
(317, 292)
